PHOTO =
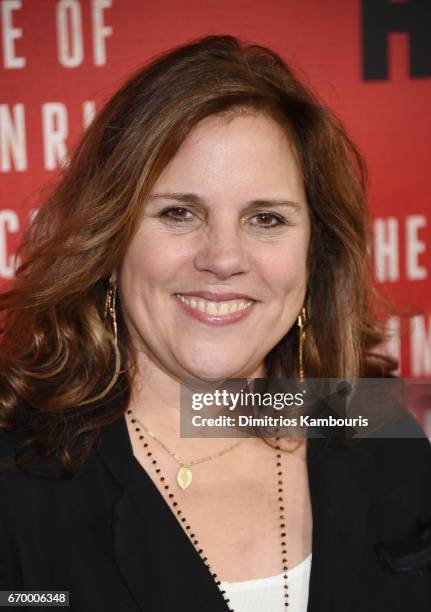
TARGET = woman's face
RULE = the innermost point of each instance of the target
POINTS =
(216, 274)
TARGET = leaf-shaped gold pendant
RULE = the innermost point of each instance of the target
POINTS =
(184, 477)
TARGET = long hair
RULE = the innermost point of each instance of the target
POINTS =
(59, 364)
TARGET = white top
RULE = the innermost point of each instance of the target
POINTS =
(266, 594)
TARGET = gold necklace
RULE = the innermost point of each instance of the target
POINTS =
(184, 474)
(137, 425)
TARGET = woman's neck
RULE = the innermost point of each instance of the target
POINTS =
(155, 401)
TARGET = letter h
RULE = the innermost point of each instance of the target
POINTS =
(380, 18)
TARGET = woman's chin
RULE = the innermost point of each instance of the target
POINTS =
(214, 372)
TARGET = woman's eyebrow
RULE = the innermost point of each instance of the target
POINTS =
(187, 198)
(193, 198)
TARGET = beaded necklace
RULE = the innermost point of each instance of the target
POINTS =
(139, 428)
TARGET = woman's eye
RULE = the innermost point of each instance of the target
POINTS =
(180, 215)
(268, 220)
(177, 214)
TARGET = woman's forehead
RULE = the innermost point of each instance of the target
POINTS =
(247, 152)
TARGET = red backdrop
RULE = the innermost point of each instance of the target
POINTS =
(370, 61)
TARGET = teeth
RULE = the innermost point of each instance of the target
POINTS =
(218, 309)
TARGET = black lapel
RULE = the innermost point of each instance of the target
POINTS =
(157, 561)
(152, 550)
(338, 478)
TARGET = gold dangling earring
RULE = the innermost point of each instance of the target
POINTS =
(302, 318)
(111, 307)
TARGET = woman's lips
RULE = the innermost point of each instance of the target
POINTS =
(213, 313)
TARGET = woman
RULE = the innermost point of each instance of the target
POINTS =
(211, 225)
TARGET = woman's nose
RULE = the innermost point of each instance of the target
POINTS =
(222, 252)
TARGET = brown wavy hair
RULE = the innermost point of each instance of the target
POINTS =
(62, 378)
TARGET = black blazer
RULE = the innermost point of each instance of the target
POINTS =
(108, 536)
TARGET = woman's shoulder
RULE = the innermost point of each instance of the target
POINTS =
(9, 441)
(401, 445)
(36, 497)
(24, 480)
(396, 465)
(16, 487)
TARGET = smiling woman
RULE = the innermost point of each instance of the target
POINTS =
(206, 255)
(211, 225)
